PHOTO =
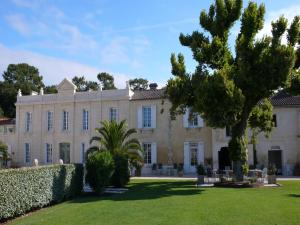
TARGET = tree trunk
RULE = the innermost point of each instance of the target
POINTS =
(254, 156)
(238, 144)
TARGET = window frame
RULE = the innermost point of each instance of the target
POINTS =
(193, 147)
(65, 125)
(50, 120)
(49, 153)
(147, 116)
(147, 148)
(85, 120)
(28, 121)
(113, 113)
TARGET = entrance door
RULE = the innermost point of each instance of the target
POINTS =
(224, 159)
(275, 158)
(64, 152)
(193, 156)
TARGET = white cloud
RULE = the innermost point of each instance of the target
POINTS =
(54, 69)
(17, 22)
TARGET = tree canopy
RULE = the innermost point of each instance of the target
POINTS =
(138, 84)
(227, 87)
(18, 76)
(106, 80)
(84, 85)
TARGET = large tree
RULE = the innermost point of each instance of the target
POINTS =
(18, 76)
(227, 87)
(138, 84)
(106, 80)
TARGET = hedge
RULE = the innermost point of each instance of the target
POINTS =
(25, 189)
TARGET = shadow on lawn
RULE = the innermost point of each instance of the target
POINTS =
(147, 190)
(294, 195)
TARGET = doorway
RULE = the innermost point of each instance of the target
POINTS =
(275, 158)
(64, 152)
(224, 159)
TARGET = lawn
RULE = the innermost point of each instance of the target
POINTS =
(166, 202)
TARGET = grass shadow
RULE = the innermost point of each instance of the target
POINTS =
(294, 195)
(146, 191)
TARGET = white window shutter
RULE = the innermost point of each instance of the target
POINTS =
(200, 121)
(153, 153)
(186, 157)
(186, 119)
(153, 116)
(200, 156)
(140, 117)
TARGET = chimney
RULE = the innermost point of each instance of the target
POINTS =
(153, 86)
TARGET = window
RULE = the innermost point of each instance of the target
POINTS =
(28, 121)
(49, 121)
(113, 114)
(48, 153)
(147, 153)
(82, 152)
(27, 153)
(228, 131)
(193, 120)
(147, 116)
(65, 120)
(274, 120)
(193, 152)
(85, 120)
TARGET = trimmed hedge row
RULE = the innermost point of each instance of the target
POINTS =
(22, 190)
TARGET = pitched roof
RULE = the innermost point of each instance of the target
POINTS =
(283, 98)
(148, 94)
(7, 121)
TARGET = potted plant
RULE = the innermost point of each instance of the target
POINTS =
(201, 173)
(180, 170)
(272, 174)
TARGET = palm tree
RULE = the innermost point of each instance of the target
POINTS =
(114, 137)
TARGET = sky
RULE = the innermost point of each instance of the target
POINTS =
(128, 39)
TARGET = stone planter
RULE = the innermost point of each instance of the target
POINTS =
(272, 179)
(200, 179)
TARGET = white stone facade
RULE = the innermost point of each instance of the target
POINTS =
(54, 126)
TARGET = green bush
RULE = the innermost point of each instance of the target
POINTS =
(99, 167)
(24, 189)
(121, 175)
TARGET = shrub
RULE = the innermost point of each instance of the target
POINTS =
(30, 188)
(201, 170)
(100, 167)
(121, 175)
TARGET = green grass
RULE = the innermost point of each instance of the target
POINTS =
(177, 203)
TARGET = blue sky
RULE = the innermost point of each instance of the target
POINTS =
(129, 39)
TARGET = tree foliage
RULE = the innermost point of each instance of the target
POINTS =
(106, 80)
(138, 84)
(83, 85)
(226, 87)
(51, 89)
(18, 76)
(115, 138)
(99, 167)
